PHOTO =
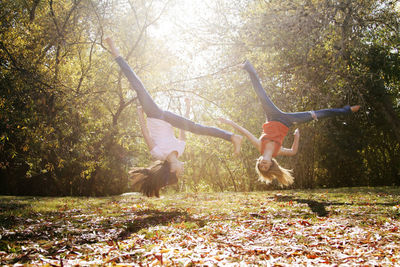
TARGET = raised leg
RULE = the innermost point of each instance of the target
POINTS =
(152, 110)
(269, 107)
(188, 125)
(149, 106)
(302, 117)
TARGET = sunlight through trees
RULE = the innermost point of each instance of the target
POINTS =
(68, 124)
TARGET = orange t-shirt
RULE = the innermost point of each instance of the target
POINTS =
(273, 131)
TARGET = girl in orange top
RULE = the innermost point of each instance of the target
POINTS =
(275, 129)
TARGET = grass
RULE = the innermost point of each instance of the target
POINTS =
(328, 226)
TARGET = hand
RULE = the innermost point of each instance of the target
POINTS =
(296, 132)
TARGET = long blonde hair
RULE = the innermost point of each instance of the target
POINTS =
(282, 175)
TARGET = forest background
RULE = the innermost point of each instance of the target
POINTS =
(68, 123)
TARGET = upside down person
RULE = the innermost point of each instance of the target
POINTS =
(275, 129)
(160, 138)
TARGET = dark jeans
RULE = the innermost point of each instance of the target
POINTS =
(152, 110)
(274, 114)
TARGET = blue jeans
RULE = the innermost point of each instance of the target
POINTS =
(153, 111)
(274, 114)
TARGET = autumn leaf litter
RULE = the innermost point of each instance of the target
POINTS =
(212, 229)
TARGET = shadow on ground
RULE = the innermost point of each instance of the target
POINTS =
(318, 207)
(149, 218)
(79, 227)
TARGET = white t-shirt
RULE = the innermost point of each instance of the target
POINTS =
(164, 139)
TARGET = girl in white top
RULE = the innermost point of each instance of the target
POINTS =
(164, 139)
(159, 135)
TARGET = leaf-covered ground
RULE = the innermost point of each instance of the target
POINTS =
(358, 226)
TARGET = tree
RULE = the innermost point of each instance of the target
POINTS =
(317, 54)
(67, 131)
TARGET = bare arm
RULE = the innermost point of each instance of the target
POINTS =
(182, 135)
(145, 131)
(254, 140)
(295, 146)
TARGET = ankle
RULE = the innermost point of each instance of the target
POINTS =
(355, 108)
(313, 115)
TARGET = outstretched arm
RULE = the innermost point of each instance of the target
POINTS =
(254, 140)
(295, 146)
(182, 135)
(145, 131)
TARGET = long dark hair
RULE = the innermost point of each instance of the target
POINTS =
(150, 180)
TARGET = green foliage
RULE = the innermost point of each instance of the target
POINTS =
(68, 120)
(60, 136)
(318, 54)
